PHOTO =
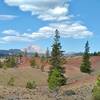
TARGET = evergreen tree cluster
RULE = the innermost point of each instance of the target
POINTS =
(95, 53)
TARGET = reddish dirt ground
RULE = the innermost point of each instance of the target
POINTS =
(72, 63)
(24, 62)
(72, 68)
(77, 78)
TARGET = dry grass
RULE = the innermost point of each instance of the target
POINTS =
(22, 75)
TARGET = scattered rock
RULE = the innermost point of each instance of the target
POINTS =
(42, 93)
(69, 93)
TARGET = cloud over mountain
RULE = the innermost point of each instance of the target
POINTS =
(33, 48)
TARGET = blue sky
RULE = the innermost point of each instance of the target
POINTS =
(31, 24)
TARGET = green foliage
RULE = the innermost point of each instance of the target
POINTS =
(1, 64)
(56, 75)
(47, 54)
(86, 64)
(96, 93)
(10, 62)
(98, 81)
(11, 81)
(43, 58)
(96, 89)
(56, 54)
(95, 53)
(56, 79)
(36, 54)
(33, 63)
(31, 85)
(85, 67)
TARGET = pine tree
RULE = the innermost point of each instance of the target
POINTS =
(1, 64)
(47, 54)
(43, 59)
(33, 62)
(36, 54)
(86, 64)
(56, 75)
(56, 54)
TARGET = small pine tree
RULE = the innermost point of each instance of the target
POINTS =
(43, 59)
(13, 62)
(86, 64)
(56, 75)
(36, 54)
(1, 64)
(56, 79)
(98, 81)
(47, 54)
(33, 63)
(96, 90)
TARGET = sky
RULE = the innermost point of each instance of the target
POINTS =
(32, 23)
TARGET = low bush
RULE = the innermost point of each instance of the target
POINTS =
(96, 93)
(56, 79)
(10, 62)
(33, 63)
(96, 89)
(11, 81)
(1, 64)
(98, 81)
(31, 85)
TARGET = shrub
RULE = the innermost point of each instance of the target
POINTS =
(85, 67)
(33, 63)
(11, 81)
(1, 64)
(56, 79)
(4, 67)
(10, 62)
(98, 80)
(96, 89)
(36, 54)
(96, 93)
(31, 85)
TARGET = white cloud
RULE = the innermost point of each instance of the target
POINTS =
(73, 30)
(7, 17)
(56, 10)
(45, 9)
(13, 36)
(10, 32)
(2, 42)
